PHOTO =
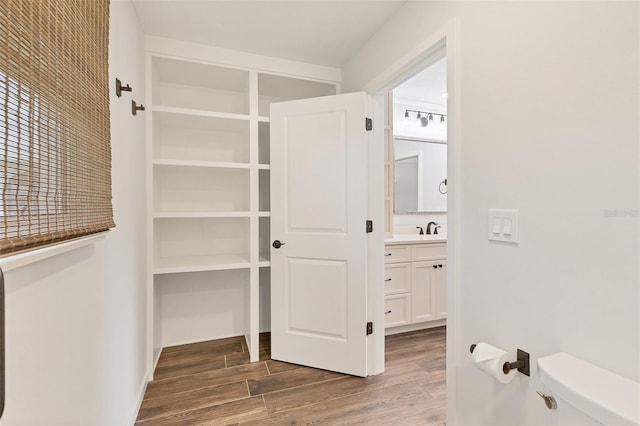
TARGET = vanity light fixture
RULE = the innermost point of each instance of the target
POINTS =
(424, 117)
(406, 118)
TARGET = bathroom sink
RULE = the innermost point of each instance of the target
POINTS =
(407, 238)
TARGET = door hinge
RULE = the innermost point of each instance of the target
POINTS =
(369, 328)
(369, 226)
(368, 124)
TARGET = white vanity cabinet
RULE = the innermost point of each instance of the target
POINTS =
(415, 282)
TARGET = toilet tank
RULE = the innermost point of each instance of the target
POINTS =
(587, 394)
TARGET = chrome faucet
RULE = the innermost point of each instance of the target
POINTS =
(429, 228)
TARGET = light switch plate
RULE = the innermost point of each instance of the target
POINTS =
(507, 228)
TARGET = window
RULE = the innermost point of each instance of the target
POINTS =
(55, 157)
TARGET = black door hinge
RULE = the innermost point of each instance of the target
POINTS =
(369, 226)
(369, 328)
(368, 124)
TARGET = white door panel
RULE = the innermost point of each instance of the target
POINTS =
(317, 169)
(319, 163)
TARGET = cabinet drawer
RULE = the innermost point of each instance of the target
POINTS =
(397, 278)
(429, 251)
(397, 310)
(397, 253)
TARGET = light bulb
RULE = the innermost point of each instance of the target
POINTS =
(406, 117)
(442, 122)
(430, 117)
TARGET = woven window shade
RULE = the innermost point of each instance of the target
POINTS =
(55, 158)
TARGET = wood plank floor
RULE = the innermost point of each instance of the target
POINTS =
(213, 383)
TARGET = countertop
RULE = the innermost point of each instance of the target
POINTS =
(415, 238)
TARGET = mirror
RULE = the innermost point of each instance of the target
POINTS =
(420, 176)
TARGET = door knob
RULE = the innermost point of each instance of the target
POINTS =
(277, 244)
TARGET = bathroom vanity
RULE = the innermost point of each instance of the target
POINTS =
(415, 282)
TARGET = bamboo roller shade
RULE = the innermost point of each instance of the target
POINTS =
(55, 158)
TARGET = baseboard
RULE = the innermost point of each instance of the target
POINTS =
(143, 389)
(199, 340)
(156, 359)
(414, 327)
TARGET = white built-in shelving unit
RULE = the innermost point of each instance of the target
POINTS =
(209, 199)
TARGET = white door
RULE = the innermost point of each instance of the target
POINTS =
(319, 187)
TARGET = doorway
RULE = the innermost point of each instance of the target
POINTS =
(442, 40)
(417, 168)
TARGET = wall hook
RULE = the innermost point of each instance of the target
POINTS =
(120, 88)
(135, 108)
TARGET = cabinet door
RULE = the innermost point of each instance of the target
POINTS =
(397, 310)
(440, 290)
(397, 278)
(422, 296)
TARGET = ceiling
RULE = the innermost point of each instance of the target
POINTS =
(322, 32)
(426, 87)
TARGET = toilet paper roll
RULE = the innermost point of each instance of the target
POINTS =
(490, 360)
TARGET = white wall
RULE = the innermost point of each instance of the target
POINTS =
(543, 71)
(75, 322)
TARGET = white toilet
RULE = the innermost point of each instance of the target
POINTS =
(586, 394)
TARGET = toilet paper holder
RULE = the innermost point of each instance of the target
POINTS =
(521, 363)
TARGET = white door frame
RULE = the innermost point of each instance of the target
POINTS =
(414, 61)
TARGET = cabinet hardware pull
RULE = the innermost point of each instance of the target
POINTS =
(435, 266)
(388, 312)
(439, 266)
(388, 279)
(387, 254)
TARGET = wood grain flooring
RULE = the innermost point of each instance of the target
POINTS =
(213, 383)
